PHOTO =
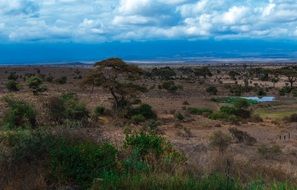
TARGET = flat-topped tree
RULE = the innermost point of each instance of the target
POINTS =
(290, 72)
(118, 78)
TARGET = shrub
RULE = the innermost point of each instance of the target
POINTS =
(179, 116)
(212, 90)
(81, 163)
(138, 118)
(12, 86)
(145, 110)
(49, 78)
(19, 114)
(285, 90)
(61, 80)
(170, 86)
(269, 152)
(24, 146)
(291, 118)
(223, 116)
(99, 110)
(145, 144)
(13, 76)
(261, 92)
(236, 90)
(200, 111)
(241, 103)
(67, 107)
(228, 110)
(36, 84)
(242, 136)
(220, 141)
(152, 124)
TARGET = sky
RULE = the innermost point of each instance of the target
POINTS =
(64, 25)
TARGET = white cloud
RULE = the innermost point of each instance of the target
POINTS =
(108, 20)
(234, 15)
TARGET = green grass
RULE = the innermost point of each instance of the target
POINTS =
(274, 114)
(232, 100)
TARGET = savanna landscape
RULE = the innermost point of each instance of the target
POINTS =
(117, 125)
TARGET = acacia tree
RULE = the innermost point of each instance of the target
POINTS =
(290, 73)
(118, 78)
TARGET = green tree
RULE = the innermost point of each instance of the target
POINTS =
(36, 84)
(118, 78)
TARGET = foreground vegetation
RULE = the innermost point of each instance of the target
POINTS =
(43, 145)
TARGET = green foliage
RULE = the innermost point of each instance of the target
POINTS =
(139, 118)
(223, 116)
(67, 107)
(81, 162)
(145, 144)
(19, 114)
(156, 181)
(170, 86)
(24, 146)
(145, 110)
(232, 100)
(261, 92)
(99, 110)
(12, 86)
(36, 84)
(212, 90)
(200, 111)
(285, 90)
(179, 116)
(241, 103)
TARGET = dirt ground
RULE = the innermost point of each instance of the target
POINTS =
(192, 135)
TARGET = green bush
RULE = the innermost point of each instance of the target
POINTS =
(145, 110)
(261, 92)
(81, 163)
(12, 86)
(223, 116)
(19, 114)
(99, 110)
(24, 145)
(199, 111)
(138, 118)
(67, 107)
(156, 181)
(145, 144)
(36, 84)
(179, 116)
(285, 90)
(212, 90)
(170, 86)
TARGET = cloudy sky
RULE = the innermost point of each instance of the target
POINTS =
(124, 20)
(140, 21)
